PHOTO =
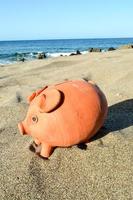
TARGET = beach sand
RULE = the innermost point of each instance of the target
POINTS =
(105, 169)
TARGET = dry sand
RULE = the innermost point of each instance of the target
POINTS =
(105, 169)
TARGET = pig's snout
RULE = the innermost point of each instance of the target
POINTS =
(21, 128)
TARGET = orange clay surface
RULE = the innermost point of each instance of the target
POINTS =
(64, 114)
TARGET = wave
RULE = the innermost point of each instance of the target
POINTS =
(19, 56)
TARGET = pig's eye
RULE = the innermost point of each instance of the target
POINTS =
(35, 119)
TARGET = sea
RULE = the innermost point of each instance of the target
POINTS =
(14, 51)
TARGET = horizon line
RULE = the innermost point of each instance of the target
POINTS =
(91, 38)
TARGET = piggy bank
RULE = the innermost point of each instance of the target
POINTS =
(64, 114)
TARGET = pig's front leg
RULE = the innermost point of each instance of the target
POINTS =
(46, 150)
(35, 146)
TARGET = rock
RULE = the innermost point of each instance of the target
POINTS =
(72, 54)
(95, 50)
(77, 53)
(22, 59)
(128, 46)
(41, 55)
(111, 49)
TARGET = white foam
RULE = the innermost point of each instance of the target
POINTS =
(84, 52)
(54, 55)
(5, 62)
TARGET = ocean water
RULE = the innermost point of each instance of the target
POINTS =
(13, 51)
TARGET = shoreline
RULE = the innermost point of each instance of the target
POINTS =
(68, 54)
(41, 49)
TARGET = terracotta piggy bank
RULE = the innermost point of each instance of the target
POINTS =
(64, 114)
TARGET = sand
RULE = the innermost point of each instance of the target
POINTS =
(105, 169)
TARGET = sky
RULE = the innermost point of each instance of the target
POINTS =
(60, 19)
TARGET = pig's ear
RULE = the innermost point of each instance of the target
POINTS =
(31, 97)
(34, 94)
(50, 100)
